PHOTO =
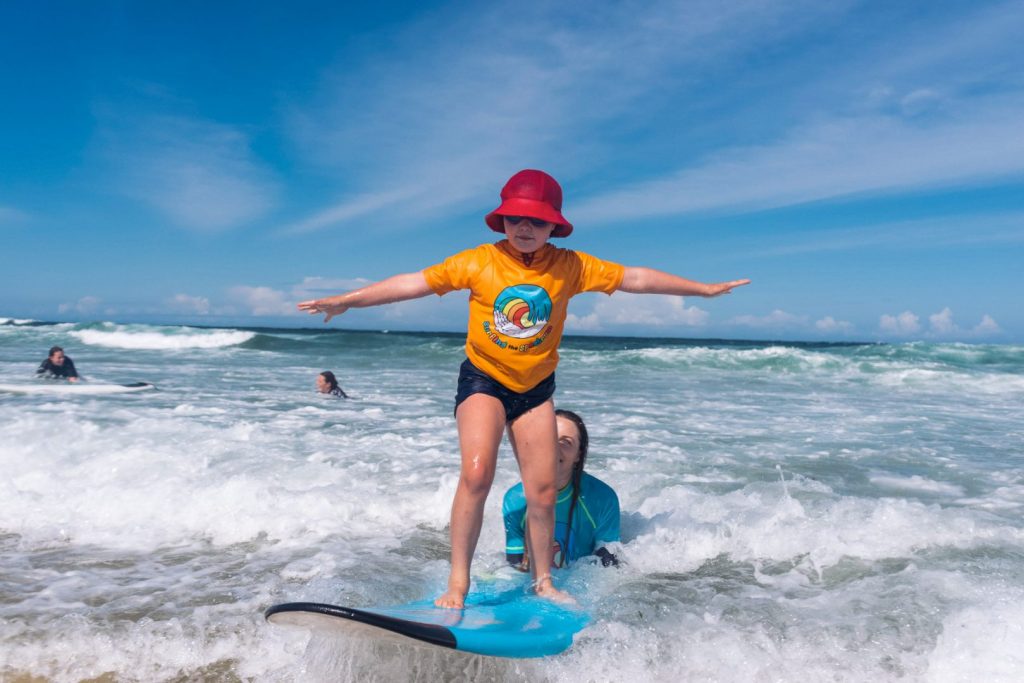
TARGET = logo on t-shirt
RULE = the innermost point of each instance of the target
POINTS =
(522, 311)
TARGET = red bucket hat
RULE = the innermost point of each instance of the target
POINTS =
(533, 194)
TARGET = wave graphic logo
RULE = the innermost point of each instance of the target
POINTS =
(522, 311)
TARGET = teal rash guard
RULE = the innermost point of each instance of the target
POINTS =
(594, 523)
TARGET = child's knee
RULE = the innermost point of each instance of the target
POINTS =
(541, 497)
(477, 481)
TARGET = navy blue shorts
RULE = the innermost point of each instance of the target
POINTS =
(473, 381)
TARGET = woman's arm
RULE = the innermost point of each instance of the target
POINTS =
(396, 288)
(651, 281)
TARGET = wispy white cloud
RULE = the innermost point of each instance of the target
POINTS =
(941, 325)
(447, 120)
(86, 305)
(902, 325)
(316, 286)
(783, 322)
(918, 107)
(199, 174)
(450, 118)
(987, 327)
(828, 324)
(777, 320)
(261, 300)
(9, 215)
(834, 158)
(919, 101)
(187, 304)
(363, 205)
(636, 311)
(978, 229)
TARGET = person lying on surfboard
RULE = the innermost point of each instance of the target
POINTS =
(57, 366)
(519, 295)
(586, 510)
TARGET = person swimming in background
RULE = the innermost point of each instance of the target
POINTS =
(586, 510)
(327, 383)
(57, 366)
(520, 289)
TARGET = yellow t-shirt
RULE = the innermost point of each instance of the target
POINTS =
(517, 312)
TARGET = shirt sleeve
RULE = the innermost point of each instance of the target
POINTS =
(512, 510)
(71, 372)
(608, 519)
(455, 272)
(597, 275)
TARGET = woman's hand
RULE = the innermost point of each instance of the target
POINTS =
(330, 307)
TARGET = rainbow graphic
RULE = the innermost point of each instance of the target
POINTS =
(522, 311)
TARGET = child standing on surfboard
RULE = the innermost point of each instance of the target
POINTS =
(519, 294)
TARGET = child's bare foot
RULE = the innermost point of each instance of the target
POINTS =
(544, 588)
(453, 598)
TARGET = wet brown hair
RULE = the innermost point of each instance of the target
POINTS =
(577, 469)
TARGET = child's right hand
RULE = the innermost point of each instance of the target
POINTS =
(317, 306)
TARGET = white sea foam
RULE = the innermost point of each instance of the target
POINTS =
(877, 365)
(981, 642)
(686, 528)
(1001, 498)
(729, 650)
(771, 357)
(176, 338)
(143, 534)
(73, 649)
(144, 484)
(916, 483)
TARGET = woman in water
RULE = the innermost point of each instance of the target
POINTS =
(327, 383)
(586, 510)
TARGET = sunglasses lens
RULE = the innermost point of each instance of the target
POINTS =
(535, 222)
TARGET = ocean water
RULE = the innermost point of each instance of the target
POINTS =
(791, 512)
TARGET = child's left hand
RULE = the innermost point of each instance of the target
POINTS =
(725, 287)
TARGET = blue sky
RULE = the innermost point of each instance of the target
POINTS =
(214, 163)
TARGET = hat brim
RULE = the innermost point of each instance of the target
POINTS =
(531, 208)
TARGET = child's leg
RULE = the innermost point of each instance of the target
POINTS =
(534, 438)
(481, 421)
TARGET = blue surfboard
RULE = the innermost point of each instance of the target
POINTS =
(507, 624)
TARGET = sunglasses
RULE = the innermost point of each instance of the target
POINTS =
(535, 222)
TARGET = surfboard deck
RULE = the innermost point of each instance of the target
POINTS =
(509, 624)
(55, 388)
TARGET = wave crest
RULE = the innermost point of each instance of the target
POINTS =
(122, 337)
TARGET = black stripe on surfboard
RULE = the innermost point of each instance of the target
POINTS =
(429, 633)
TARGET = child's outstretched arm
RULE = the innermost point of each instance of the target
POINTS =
(650, 281)
(395, 288)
